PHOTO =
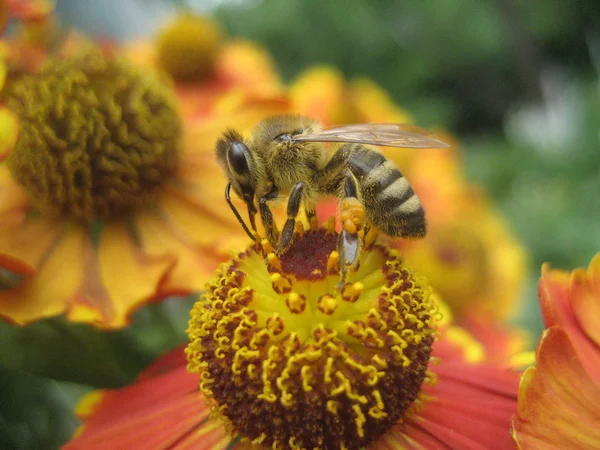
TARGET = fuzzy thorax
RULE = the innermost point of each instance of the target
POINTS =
(288, 360)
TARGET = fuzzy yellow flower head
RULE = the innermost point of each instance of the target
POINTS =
(292, 358)
(97, 137)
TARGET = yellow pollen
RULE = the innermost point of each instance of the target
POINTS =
(266, 246)
(274, 261)
(296, 303)
(333, 262)
(280, 284)
(327, 304)
(290, 361)
(299, 228)
(330, 225)
(351, 292)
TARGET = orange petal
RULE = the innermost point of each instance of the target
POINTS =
(559, 403)
(245, 63)
(586, 305)
(572, 301)
(195, 264)
(321, 92)
(52, 288)
(119, 280)
(163, 409)
(553, 294)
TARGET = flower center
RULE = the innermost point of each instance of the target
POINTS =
(188, 47)
(292, 361)
(97, 137)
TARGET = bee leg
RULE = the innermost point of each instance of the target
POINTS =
(349, 242)
(266, 216)
(293, 206)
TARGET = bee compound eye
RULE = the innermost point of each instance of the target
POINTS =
(236, 157)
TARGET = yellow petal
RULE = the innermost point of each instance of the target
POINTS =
(52, 288)
(27, 243)
(13, 199)
(195, 265)
(119, 279)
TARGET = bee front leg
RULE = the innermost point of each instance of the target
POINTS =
(266, 216)
(293, 207)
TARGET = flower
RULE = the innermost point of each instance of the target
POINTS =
(559, 398)
(111, 210)
(204, 64)
(26, 10)
(293, 354)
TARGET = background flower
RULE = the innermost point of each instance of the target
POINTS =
(559, 398)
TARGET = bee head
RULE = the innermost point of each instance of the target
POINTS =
(236, 159)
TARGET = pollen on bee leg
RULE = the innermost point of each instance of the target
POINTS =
(352, 214)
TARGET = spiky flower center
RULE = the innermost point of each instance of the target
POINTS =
(292, 360)
(97, 136)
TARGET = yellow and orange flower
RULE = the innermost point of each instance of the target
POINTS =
(289, 358)
(204, 64)
(559, 398)
(118, 203)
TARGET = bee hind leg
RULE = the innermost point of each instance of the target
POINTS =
(293, 207)
(352, 217)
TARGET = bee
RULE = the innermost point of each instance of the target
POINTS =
(286, 157)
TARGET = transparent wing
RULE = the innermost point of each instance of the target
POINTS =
(384, 134)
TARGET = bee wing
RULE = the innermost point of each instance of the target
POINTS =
(384, 134)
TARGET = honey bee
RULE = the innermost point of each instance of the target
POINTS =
(285, 157)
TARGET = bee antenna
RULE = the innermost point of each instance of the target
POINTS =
(235, 211)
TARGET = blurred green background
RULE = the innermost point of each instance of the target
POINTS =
(516, 82)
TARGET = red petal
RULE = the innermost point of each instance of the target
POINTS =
(163, 409)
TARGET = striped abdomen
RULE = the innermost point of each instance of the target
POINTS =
(390, 202)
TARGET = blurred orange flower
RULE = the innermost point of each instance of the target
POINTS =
(559, 398)
(114, 208)
(205, 64)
